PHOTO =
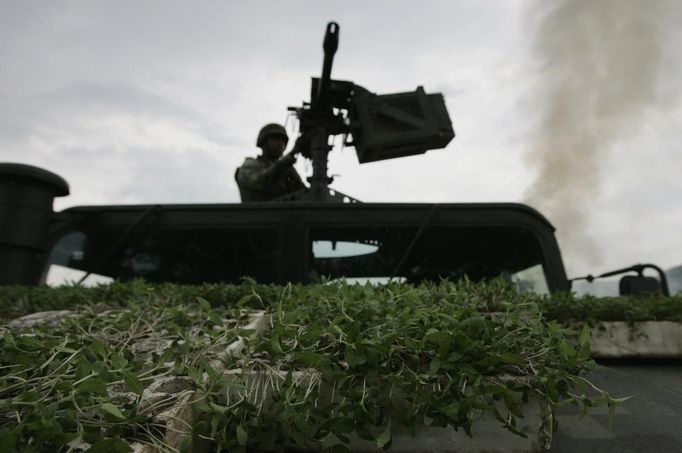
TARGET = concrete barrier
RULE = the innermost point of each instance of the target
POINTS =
(643, 339)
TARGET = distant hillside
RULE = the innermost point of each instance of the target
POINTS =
(674, 279)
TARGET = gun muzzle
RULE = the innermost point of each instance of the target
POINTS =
(330, 44)
(331, 39)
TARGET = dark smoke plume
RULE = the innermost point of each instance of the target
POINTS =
(599, 63)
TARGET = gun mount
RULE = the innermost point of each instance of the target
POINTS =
(380, 126)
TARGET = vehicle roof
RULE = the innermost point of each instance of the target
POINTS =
(494, 212)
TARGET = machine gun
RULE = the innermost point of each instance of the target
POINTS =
(380, 126)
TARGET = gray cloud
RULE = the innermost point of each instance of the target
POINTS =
(80, 101)
(199, 177)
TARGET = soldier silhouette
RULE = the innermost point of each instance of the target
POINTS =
(272, 174)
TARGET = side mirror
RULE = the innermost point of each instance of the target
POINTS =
(635, 285)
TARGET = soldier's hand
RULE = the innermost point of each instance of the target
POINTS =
(302, 145)
(290, 158)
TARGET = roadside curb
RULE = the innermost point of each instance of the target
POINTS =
(642, 339)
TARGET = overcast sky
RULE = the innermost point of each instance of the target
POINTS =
(159, 102)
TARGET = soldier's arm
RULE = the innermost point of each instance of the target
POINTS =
(254, 176)
(251, 175)
(281, 166)
(297, 181)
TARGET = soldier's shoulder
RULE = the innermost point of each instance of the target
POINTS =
(251, 162)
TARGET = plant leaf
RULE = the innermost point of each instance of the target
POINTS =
(112, 410)
(384, 439)
(204, 304)
(92, 385)
(242, 435)
(110, 445)
(133, 382)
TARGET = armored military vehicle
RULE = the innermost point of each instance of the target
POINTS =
(302, 237)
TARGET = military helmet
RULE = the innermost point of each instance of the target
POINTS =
(271, 129)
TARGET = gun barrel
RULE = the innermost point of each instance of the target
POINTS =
(330, 44)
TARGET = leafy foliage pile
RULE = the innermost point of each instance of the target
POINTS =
(437, 354)
(16, 301)
(374, 356)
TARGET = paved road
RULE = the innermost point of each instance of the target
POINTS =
(651, 422)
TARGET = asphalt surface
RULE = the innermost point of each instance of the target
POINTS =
(650, 422)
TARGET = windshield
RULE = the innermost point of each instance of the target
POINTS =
(268, 255)
(168, 255)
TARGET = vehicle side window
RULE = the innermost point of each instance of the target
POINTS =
(379, 254)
